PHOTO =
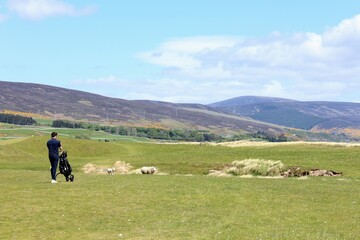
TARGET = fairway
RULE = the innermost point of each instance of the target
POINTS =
(10, 131)
(185, 203)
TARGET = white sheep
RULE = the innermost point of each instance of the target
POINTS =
(111, 171)
(148, 170)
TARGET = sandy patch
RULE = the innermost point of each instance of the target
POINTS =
(218, 173)
(89, 168)
(119, 167)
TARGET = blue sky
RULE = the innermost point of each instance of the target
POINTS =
(185, 51)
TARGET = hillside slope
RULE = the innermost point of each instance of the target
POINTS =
(61, 103)
(297, 114)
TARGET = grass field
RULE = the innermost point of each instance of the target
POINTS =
(10, 131)
(186, 203)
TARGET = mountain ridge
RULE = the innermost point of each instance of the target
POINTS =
(245, 114)
(292, 113)
(246, 100)
(62, 103)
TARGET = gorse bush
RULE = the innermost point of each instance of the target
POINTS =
(257, 167)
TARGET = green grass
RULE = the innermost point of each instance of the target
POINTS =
(9, 131)
(44, 121)
(176, 206)
(31, 154)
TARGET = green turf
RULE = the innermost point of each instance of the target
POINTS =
(10, 131)
(176, 207)
(186, 204)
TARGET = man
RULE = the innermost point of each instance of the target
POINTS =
(54, 146)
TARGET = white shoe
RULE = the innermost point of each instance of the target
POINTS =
(53, 181)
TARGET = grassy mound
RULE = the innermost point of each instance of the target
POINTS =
(256, 167)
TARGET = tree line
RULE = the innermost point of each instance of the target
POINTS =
(168, 134)
(16, 119)
(153, 133)
(270, 137)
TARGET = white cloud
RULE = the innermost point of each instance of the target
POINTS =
(274, 88)
(170, 90)
(166, 89)
(301, 66)
(39, 9)
(180, 53)
(348, 31)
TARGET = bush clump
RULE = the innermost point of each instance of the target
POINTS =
(256, 167)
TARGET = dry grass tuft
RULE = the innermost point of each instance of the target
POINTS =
(122, 167)
(218, 173)
(252, 167)
(89, 168)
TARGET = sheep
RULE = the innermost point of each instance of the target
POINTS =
(148, 170)
(111, 171)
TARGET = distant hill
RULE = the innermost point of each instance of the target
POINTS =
(61, 103)
(296, 114)
(248, 100)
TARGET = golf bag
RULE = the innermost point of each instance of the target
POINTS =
(64, 167)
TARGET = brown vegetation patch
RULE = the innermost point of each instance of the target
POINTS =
(301, 172)
(269, 169)
(324, 173)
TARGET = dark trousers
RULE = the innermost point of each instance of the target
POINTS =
(54, 160)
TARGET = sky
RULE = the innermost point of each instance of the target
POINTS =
(198, 51)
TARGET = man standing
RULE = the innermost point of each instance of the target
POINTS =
(54, 146)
